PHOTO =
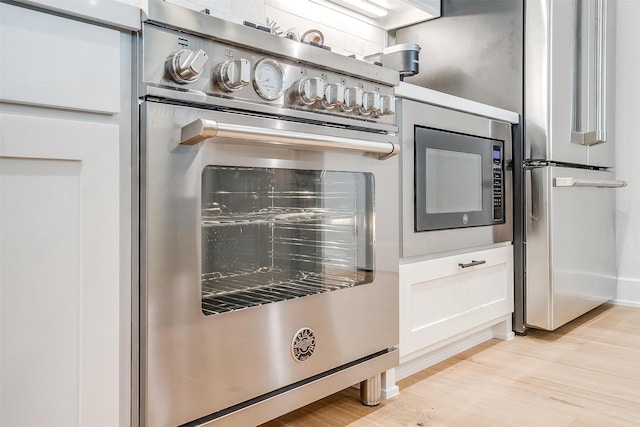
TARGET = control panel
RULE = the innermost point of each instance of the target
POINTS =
(498, 188)
(195, 64)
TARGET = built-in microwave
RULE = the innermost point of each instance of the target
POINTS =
(456, 181)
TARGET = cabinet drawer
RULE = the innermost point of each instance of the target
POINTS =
(446, 297)
(53, 61)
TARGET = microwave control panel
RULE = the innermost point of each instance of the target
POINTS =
(498, 208)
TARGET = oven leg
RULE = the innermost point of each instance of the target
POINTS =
(370, 390)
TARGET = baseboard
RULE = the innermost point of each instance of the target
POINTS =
(628, 292)
(424, 361)
(388, 393)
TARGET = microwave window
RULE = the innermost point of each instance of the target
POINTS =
(453, 181)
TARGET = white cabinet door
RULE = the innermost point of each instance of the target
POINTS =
(54, 61)
(444, 298)
(59, 271)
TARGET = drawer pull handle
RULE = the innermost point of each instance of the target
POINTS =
(471, 264)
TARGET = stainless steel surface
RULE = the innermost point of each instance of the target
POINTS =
(472, 264)
(259, 247)
(202, 129)
(182, 344)
(562, 69)
(573, 182)
(570, 208)
(288, 400)
(570, 253)
(273, 74)
(267, 110)
(590, 73)
(474, 50)
(174, 16)
(429, 243)
(371, 390)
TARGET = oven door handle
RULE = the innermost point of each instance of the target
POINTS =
(202, 129)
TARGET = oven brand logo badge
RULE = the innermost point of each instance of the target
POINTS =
(303, 344)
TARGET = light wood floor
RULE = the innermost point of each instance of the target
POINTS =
(586, 373)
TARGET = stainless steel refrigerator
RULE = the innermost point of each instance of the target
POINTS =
(569, 176)
(552, 62)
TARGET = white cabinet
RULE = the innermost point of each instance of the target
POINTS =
(445, 299)
(63, 345)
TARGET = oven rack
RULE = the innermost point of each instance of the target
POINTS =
(283, 216)
(346, 262)
(244, 289)
(290, 194)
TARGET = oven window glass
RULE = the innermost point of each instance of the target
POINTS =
(454, 181)
(275, 234)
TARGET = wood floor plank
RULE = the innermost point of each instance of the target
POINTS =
(586, 373)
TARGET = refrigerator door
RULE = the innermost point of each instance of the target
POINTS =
(570, 245)
(568, 47)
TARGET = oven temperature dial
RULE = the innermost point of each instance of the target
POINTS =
(268, 79)
(184, 65)
(233, 75)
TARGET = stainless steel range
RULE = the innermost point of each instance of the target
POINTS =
(268, 223)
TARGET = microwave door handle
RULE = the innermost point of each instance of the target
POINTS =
(202, 129)
(575, 182)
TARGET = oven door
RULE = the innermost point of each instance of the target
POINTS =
(269, 256)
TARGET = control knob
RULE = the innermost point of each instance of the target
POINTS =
(387, 105)
(352, 99)
(233, 75)
(184, 65)
(308, 90)
(370, 103)
(333, 95)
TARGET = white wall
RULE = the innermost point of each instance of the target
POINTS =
(344, 34)
(627, 130)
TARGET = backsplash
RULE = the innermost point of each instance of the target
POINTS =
(360, 39)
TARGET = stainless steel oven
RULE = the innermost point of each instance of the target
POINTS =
(456, 180)
(268, 204)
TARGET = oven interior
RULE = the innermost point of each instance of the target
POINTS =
(271, 234)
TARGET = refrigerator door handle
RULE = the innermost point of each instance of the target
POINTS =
(595, 96)
(574, 182)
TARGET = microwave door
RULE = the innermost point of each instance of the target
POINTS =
(458, 180)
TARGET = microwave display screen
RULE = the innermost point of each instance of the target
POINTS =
(453, 181)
